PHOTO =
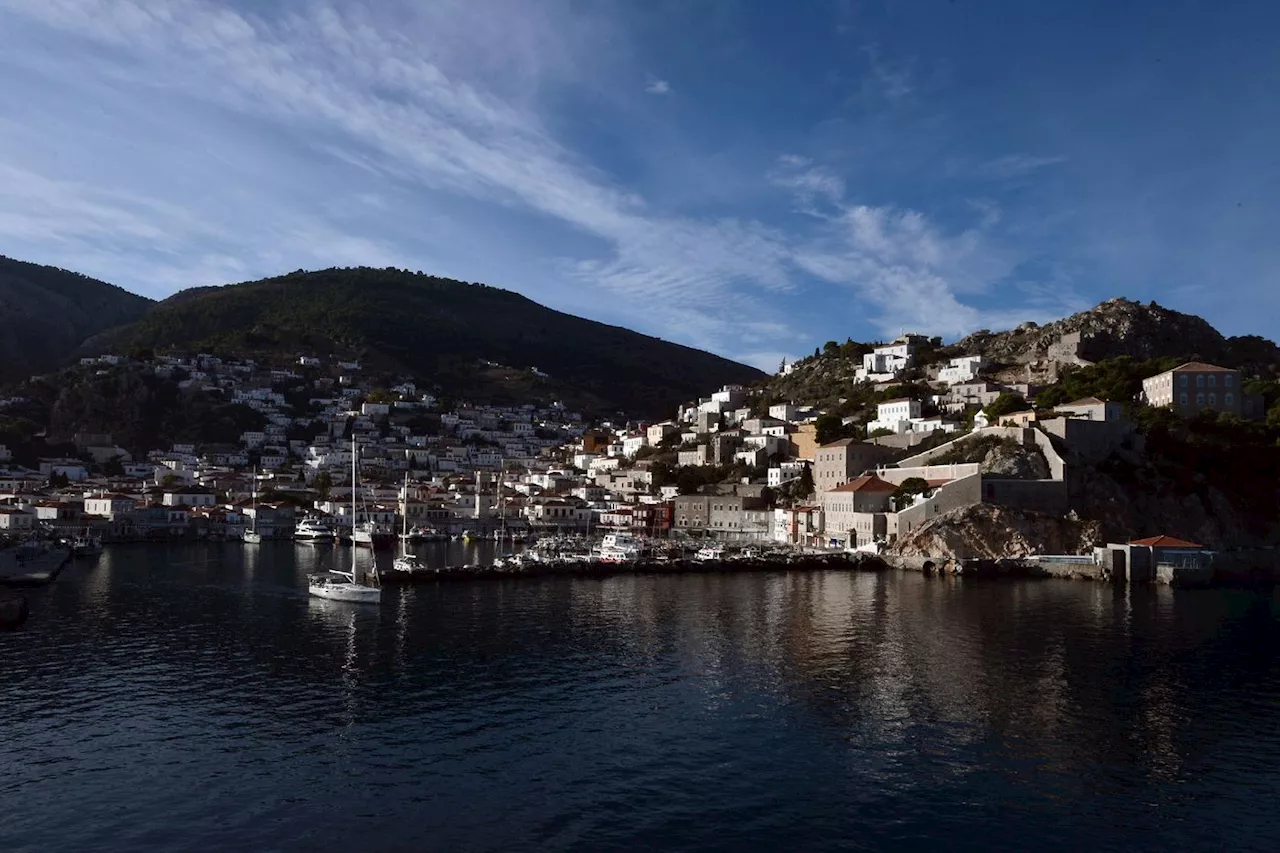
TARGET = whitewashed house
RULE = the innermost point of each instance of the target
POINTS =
(962, 369)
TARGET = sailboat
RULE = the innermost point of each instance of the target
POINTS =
(347, 586)
(368, 533)
(252, 536)
(405, 562)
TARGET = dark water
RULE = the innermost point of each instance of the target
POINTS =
(194, 698)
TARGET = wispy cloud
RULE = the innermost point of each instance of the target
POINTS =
(1014, 166)
(886, 79)
(916, 274)
(808, 181)
(657, 87)
(389, 133)
(368, 94)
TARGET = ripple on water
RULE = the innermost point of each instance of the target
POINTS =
(179, 699)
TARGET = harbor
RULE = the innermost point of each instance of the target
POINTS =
(193, 695)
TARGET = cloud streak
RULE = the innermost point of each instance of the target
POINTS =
(368, 96)
(657, 87)
(397, 132)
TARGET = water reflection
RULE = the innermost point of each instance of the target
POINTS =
(497, 711)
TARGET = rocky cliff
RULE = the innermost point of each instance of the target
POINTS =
(1121, 327)
(991, 532)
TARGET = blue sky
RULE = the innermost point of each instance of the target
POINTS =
(749, 177)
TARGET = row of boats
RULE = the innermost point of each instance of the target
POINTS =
(369, 534)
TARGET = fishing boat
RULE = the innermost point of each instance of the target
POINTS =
(86, 545)
(348, 586)
(252, 536)
(617, 548)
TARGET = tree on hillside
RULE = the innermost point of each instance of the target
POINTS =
(829, 428)
(905, 494)
(804, 483)
(323, 484)
(1007, 402)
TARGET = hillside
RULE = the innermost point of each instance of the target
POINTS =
(1122, 327)
(1134, 338)
(46, 313)
(473, 340)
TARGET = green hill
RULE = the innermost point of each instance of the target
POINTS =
(46, 313)
(474, 341)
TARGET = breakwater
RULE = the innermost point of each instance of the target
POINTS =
(601, 569)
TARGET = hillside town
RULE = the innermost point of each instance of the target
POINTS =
(732, 466)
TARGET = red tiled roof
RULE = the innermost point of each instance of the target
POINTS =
(1203, 367)
(866, 483)
(1164, 542)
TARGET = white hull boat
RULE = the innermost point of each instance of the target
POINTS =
(337, 590)
(347, 586)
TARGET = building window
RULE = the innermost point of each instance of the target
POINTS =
(1213, 399)
(1228, 380)
(1213, 381)
(1182, 399)
(1199, 380)
(1182, 381)
(1199, 399)
(1228, 398)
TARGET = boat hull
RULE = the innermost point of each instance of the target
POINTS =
(376, 541)
(355, 593)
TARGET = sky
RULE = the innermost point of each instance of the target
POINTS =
(749, 177)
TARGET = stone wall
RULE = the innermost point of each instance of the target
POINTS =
(964, 492)
(955, 471)
(1093, 441)
(1018, 434)
(1048, 496)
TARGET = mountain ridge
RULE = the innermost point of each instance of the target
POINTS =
(46, 312)
(435, 328)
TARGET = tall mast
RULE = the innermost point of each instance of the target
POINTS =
(355, 577)
(502, 508)
(404, 516)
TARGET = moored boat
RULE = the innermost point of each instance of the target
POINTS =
(348, 586)
(312, 530)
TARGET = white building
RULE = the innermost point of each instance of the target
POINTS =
(631, 445)
(188, 497)
(16, 520)
(658, 433)
(784, 412)
(895, 415)
(885, 362)
(109, 506)
(785, 472)
(962, 369)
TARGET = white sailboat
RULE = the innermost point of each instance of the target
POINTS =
(347, 586)
(252, 536)
(405, 562)
(368, 533)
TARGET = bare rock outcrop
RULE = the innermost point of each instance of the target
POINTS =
(985, 531)
(1016, 462)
